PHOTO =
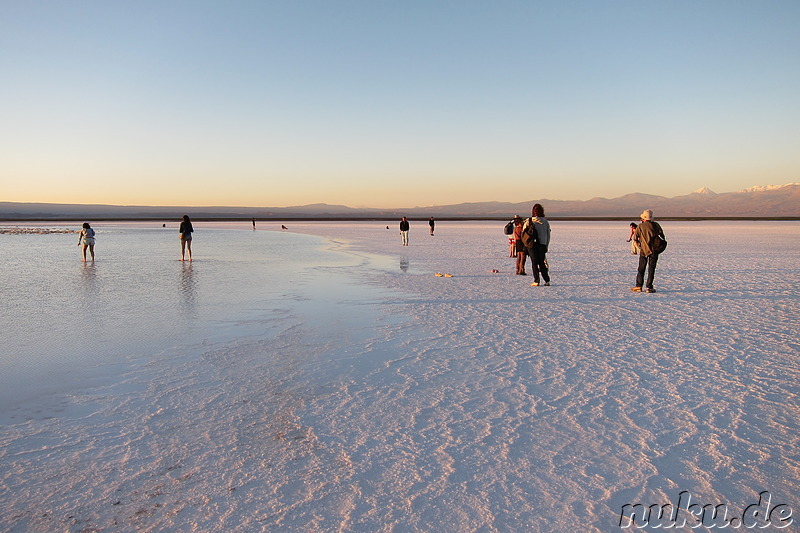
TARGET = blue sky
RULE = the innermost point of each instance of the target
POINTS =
(394, 104)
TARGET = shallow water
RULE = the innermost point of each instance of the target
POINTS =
(64, 319)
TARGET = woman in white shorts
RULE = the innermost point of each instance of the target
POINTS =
(86, 238)
(186, 230)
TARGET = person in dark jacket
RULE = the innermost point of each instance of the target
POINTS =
(185, 232)
(646, 232)
(432, 224)
(539, 250)
(519, 248)
(404, 227)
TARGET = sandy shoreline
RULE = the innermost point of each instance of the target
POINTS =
(33, 231)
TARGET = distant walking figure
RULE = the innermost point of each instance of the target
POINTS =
(431, 223)
(254, 223)
(86, 238)
(645, 236)
(634, 246)
(404, 227)
(539, 250)
(185, 232)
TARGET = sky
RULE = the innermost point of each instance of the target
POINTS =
(394, 104)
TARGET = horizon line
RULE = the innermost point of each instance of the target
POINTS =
(703, 190)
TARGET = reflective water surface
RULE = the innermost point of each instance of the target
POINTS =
(61, 316)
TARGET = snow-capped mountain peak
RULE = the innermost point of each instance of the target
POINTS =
(763, 188)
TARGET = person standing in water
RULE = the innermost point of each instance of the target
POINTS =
(86, 238)
(185, 231)
(404, 227)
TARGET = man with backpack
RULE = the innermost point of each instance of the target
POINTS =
(651, 242)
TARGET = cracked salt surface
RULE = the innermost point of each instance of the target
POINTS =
(356, 391)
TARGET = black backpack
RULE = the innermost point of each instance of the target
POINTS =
(509, 229)
(659, 244)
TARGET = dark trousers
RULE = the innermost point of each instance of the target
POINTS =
(648, 263)
(539, 262)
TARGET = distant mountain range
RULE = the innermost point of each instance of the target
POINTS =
(771, 201)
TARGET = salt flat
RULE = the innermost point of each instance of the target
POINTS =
(371, 395)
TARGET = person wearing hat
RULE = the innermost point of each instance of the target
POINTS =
(644, 236)
(509, 230)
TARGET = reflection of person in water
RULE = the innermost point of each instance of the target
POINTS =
(187, 285)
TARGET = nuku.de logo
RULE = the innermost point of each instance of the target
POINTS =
(693, 515)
